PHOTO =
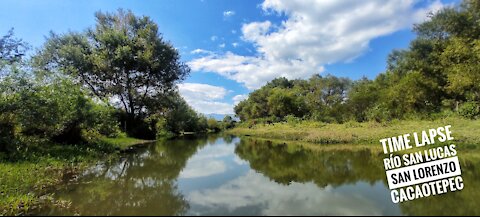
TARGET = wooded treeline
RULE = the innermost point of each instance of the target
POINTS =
(437, 76)
(115, 79)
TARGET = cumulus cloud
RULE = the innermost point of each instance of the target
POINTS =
(254, 71)
(239, 98)
(254, 31)
(314, 34)
(228, 13)
(205, 98)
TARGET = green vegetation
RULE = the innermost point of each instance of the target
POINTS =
(125, 60)
(85, 95)
(438, 76)
(330, 166)
(280, 162)
(80, 98)
(465, 131)
(27, 180)
(122, 143)
(129, 193)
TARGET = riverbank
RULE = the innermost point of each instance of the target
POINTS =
(466, 132)
(25, 183)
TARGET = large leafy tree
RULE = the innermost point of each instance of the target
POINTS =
(124, 58)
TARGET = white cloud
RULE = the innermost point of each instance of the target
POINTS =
(205, 98)
(222, 45)
(239, 98)
(253, 71)
(201, 51)
(203, 91)
(235, 44)
(314, 34)
(228, 13)
(253, 31)
(214, 38)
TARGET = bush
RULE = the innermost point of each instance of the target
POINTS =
(55, 110)
(7, 132)
(378, 113)
(161, 129)
(470, 110)
(213, 125)
(60, 111)
(102, 118)
(292, 120)
(91, 136)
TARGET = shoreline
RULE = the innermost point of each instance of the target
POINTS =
(24, 191)
(466, 132)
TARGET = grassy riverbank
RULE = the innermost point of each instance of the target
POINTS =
(369, 133)
(25, 182)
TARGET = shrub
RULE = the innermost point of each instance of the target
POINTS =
(54, 109)
(102, 118)
(292, 120)
(7, 132)
(470, 110)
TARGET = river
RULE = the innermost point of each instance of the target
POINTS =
(227, 175)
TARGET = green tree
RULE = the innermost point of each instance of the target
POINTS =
(123, 56)
(202, 123)
(213, 125)
(181, 117)
(362, 98)
(326, 97)
(282, 102)
(11, 49)
(228, 122)
(460, 59)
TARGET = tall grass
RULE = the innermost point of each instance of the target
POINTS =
(465, 131)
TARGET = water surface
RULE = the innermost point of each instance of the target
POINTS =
(226, 175)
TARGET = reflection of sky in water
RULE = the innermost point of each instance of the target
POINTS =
(258, 194)
(216, 181)
(212, 166)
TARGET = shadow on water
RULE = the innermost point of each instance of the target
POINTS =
(226, 175)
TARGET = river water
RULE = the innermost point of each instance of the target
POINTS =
(227, 175)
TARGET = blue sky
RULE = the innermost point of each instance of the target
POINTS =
(235, 46)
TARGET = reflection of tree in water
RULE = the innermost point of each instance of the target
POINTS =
(462, 202)
(143, 183)
(228, 139)
(287, 163)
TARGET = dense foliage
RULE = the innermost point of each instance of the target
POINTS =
(123, 59)
(438, 74)
(80, 88)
